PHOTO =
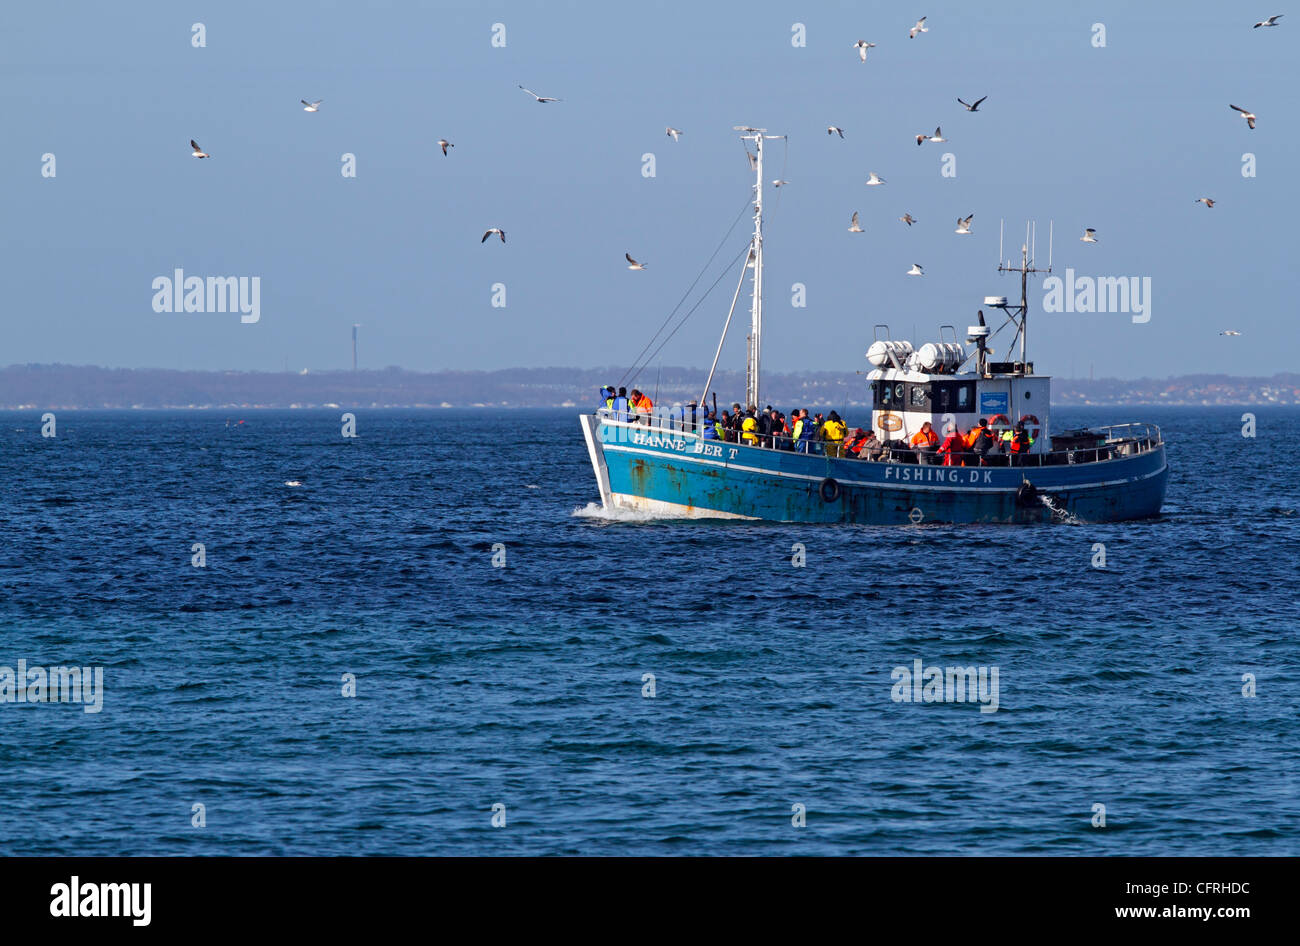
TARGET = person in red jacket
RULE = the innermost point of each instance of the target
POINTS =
(952, 448)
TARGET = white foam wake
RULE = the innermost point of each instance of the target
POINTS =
(597, 511)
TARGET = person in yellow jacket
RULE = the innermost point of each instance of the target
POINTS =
(833, 432)
(749, 429)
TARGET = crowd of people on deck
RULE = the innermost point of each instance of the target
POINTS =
(828, 435)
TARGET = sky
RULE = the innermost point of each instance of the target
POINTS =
(1122, 138)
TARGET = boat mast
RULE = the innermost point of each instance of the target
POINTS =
(758, 136)
(1024, 269)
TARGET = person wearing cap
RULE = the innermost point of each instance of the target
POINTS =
(1020, 442)
(765, 427)
(833, 434)
(708, 428)
(980, 441)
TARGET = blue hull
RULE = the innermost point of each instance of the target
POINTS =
(677, 474)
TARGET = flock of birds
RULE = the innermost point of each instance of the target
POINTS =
(873, 179)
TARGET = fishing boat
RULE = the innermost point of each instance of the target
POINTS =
(662, 464)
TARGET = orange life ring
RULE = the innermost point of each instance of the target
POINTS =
(1000, 420)
(1028, 420)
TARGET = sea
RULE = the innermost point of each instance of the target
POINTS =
(428, 639)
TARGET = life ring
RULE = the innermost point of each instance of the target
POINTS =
(830, 490)
(1000, 420)
(1028, 420)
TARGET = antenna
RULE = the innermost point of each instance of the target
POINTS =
(1050, 225)
(1020, 314)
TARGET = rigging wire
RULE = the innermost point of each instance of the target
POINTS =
(726, 269)
(634, 370)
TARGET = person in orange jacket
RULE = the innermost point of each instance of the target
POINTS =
(642, 405)
(924, 442)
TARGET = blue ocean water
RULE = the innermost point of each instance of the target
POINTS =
(522, 685)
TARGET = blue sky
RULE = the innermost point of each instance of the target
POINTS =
(1121, 138)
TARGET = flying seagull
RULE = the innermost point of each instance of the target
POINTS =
(198, 152)
(311, 106)
(1207, 201)
(633, 264)
(1230, 332)
(834, 129)
(875, 179)
(444, 144)
(919, 28)
(975, 107)
(498, 231)
(862, 47)
(938, 137)
(1271, 21)
(1249, 116)
(915, 270)
(541, 99)
(855, 228)
(908, 219)
(673, 133)
(963, 224)
(779, 183)
(1089, 235)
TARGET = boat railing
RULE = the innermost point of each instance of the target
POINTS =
(1111, 441)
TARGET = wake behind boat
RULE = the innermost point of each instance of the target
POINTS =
(1016, 470)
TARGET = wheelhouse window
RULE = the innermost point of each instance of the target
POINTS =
(918, 397)
(957, 397)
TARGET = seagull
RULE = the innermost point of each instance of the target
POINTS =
(908, 219)
(1230, 332)
(834, 129)
(444, 144)
(1207, 201)
(1271, 21)
(975, 107)
(875, 179)
(541, 99)
(779, 183)
(292, 482)
(938, 137)
(198, 152)
(915, 270)
(919, 28)
(855, 228)
(672, 132)
(311, 106)
(1089, 235)
(1249, 116)
(963, 225)
(633, 264)
(498, 231)
(862, 47)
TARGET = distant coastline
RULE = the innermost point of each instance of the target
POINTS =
(88, 387)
